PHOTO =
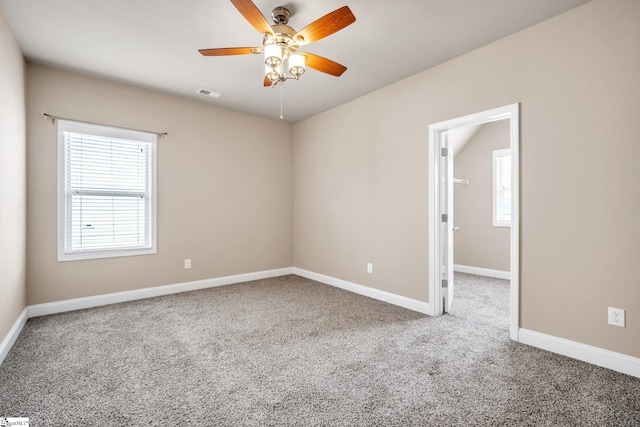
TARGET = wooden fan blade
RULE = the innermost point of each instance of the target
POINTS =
(327, 25)
(323, 64)
(223, 51)
(252, 14)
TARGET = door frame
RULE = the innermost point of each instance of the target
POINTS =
(437, 175)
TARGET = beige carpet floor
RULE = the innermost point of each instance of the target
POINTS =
(289, 351)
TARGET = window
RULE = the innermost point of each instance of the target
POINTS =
(502, 188)
(106, 191)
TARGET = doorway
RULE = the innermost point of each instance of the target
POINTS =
(441, 221)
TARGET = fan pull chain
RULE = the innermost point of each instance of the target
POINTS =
(281, 114)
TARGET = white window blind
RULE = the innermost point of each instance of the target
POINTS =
(502, 188)
(106, 191)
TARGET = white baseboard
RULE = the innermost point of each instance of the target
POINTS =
(478, 271)
(597, 356)
(12, 336)
(411, 304)
(116, 297)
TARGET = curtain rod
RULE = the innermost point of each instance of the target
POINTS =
(54, 118)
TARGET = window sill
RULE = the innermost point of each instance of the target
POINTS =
(62, 257)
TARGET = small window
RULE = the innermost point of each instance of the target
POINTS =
(502, 188)
(106, 191)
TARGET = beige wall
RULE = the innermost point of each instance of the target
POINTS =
(12, 180)
(224, 188)
(361, 179)
(478, 243)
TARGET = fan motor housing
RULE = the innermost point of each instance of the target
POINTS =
(283, 30)
(283, 36)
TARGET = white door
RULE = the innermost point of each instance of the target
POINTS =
(447, 282)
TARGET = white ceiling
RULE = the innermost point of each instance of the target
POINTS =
(153, 44)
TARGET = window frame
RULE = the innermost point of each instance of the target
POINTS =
(64, 221)
(498, 220)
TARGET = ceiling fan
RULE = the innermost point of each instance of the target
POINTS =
(281, 42)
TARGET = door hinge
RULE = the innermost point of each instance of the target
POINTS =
(445, 283)
(445, 217)
(445, 152)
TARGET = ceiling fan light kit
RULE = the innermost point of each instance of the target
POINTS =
(280, 47)
(281, 42)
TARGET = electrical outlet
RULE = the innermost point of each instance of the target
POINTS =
(616, 316)
(187, 263)
(369, 268)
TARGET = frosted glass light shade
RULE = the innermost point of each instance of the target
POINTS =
(272, 55)
(296, 64)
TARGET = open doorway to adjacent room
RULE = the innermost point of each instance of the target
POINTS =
(474, 201)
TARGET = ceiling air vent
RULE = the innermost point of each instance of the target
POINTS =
(207, 92)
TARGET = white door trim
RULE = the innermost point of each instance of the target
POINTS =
(436, 130)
